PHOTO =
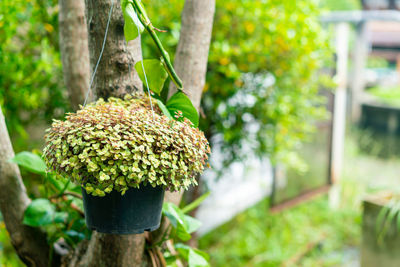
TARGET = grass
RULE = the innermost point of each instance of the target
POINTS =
(258, 238)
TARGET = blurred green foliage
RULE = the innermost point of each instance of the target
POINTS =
(263, 74)
(31, 85)
(258, 238)
(8, 257)
(337, 5)
(377, 62)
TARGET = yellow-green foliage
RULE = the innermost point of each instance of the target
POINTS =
(256, 43)
(117, 144)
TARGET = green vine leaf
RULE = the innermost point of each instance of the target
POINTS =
(144, 19)
(132, 22)
(30, 161)
(155, 72)
(39, 213)
(192, 224)
(183, 224)
(194, 257)
(164, 109)
(180, 102)
(197, 260)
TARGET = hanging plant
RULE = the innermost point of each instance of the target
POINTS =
(117, 144)
(125, 152)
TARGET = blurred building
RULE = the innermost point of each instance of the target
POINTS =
(384, 41)
(380, 4)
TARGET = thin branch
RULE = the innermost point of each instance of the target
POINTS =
(152, 257)
(159, 30)
(76, 208)
(66, 193)
(302, 252)
(160, 256)
(72, 205)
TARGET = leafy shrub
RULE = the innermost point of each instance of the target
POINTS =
(117, 144)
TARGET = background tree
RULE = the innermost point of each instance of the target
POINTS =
(30, 243)
(31, 93)
(74, 49)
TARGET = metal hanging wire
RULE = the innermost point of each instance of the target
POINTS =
(101, 55)
(144, 71)
(101, 52)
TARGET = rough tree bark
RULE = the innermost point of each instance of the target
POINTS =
(114, 74)
(114, 77)
(29, 243)
(74, 49)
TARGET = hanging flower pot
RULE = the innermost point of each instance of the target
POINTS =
(138, 210)
(124, 154)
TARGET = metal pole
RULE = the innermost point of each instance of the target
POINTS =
(339, 119)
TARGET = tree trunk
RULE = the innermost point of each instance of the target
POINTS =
(74, 49)
(30, 243)
(114, 77)
(191, 65)
(106, 250)
(194, 43)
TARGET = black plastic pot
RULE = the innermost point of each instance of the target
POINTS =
(137, 211)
